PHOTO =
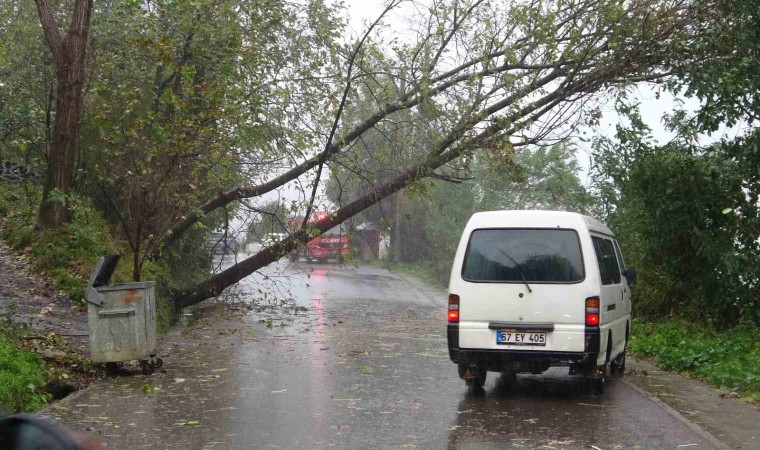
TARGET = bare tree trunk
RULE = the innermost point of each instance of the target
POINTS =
(397, 244)
(69, 58)
(136, 257)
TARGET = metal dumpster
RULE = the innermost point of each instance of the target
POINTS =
(122, 319)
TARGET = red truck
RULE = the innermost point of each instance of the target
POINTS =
(333, 243)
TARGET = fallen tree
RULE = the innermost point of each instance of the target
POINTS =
(517, 74)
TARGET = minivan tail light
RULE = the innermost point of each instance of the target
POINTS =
(453, 315)
(592, 311)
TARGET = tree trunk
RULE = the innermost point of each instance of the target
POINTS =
(136, 261)
(69, 58)
(397, 244)
(217, 283)
(60, 160)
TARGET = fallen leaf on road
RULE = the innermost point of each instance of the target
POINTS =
(192, 423)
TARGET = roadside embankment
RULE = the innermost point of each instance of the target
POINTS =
(43, 338)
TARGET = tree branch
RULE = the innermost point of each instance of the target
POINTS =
(52, 32)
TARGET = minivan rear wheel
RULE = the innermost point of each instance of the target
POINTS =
(618, 365)
(474, 376)
(599, 382)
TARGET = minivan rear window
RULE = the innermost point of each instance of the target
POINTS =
(512, 255)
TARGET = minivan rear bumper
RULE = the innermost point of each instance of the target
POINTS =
(507, 355)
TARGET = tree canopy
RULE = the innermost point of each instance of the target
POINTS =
(181, 113)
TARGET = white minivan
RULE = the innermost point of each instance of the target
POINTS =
(534, 289)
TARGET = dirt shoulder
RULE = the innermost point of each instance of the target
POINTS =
(48, 324)
(38, 302)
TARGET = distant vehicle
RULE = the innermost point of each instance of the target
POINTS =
(220, 243)
(333, 243)
(534, 289)
(272, 238)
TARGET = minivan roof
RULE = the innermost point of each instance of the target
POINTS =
(536, 219)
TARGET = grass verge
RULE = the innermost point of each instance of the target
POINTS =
(22, 377)
(728, 360)
(424, 270)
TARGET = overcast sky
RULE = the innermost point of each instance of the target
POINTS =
(653, 109)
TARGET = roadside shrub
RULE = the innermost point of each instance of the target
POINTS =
(68, 254)
(729, 360)
(18, 212)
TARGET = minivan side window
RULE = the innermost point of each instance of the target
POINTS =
(608, 265)
(620, 257)
(603, 272)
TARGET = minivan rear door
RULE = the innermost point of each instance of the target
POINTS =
(523, 275)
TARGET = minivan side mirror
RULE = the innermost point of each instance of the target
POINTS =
(630, 275)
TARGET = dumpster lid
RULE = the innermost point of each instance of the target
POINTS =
(104, 270)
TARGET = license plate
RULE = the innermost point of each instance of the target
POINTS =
(511, 337)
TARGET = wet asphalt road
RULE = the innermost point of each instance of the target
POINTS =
(364, 366)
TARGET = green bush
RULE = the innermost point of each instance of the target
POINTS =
(68, 255)
(164, 314)
(729, 360)
(19, 204)
(22, 378)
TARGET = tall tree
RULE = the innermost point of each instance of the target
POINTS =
(687, 213)
(69, 52)
(494, 75)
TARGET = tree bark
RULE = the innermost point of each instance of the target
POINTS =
(69, 59)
